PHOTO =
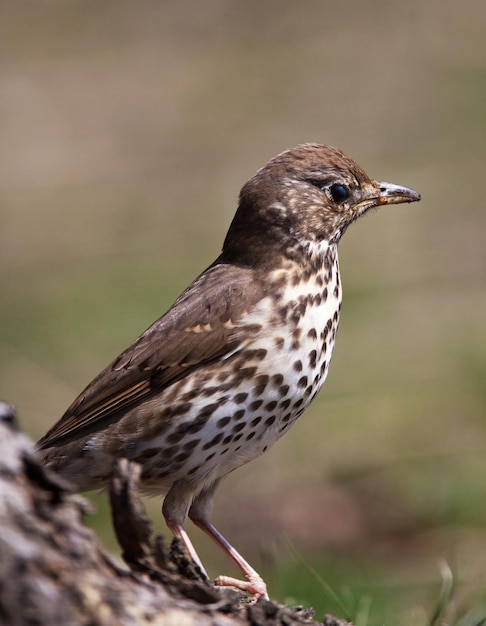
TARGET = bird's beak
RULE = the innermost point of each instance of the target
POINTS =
(395, 194)
(375, 194)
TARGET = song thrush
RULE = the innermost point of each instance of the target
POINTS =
(237, 358)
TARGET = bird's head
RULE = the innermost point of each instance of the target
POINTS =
(308, 194)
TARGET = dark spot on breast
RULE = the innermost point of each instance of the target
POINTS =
(261, 383)
(182, 456)
(240, 398)
(298, 366)
(302, 382)
(303, 302)
(308, 391)
(254, 355)
(148, 454)
(194, 469)
(190, 445)
(286, 417)
(284, 404)
(283, 391)
(237, 415)
(190, 395)
(324, 293)
(210, 456)
(177, 435)
(270, 420)
(323, 368)
(215, 440)
(256, 404)
(244, 373)
(283, 312)
(279, 342)
(270, 406)
(222, 376)
(179, 409)
(256, 421)
(237, 438)
(195, 426)
(208, 410)
(238, 427)
(295, 318)
(170, 451)
(312, 334)
(221, 423)
(250, 436)
(313, 358)
(298, 403)
(237, 362)
(227, 439)
(336, 291)
(277, 380)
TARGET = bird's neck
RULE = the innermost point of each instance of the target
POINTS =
(311, 256)
(309, 264)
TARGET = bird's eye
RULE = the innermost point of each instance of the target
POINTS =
(339, 193)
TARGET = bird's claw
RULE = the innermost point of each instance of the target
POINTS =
(254, 586)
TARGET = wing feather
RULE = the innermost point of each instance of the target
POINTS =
(201, 326)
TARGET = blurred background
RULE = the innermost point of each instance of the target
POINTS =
(127, 130)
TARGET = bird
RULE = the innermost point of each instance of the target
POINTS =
(238, 357)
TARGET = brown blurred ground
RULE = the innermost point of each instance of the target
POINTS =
(126, 131)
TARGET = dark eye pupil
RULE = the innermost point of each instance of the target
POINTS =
(339, 193)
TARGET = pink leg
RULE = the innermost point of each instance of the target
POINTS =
(254, 583)
(175, 508)
(181, 533)
(200, 513)
(178, 504)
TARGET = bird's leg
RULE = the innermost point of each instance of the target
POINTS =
(254, 583)
(200, 513)
(175, 508)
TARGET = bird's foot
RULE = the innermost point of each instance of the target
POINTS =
(254, 585)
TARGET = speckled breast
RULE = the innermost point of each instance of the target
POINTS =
(234, 410)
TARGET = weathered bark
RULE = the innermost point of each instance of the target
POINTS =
(54, 571)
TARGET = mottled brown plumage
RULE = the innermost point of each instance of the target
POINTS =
(239, 356)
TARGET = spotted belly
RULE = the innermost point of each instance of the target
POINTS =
(227, 414)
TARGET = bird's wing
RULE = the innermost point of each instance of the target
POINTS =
(201, 326)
